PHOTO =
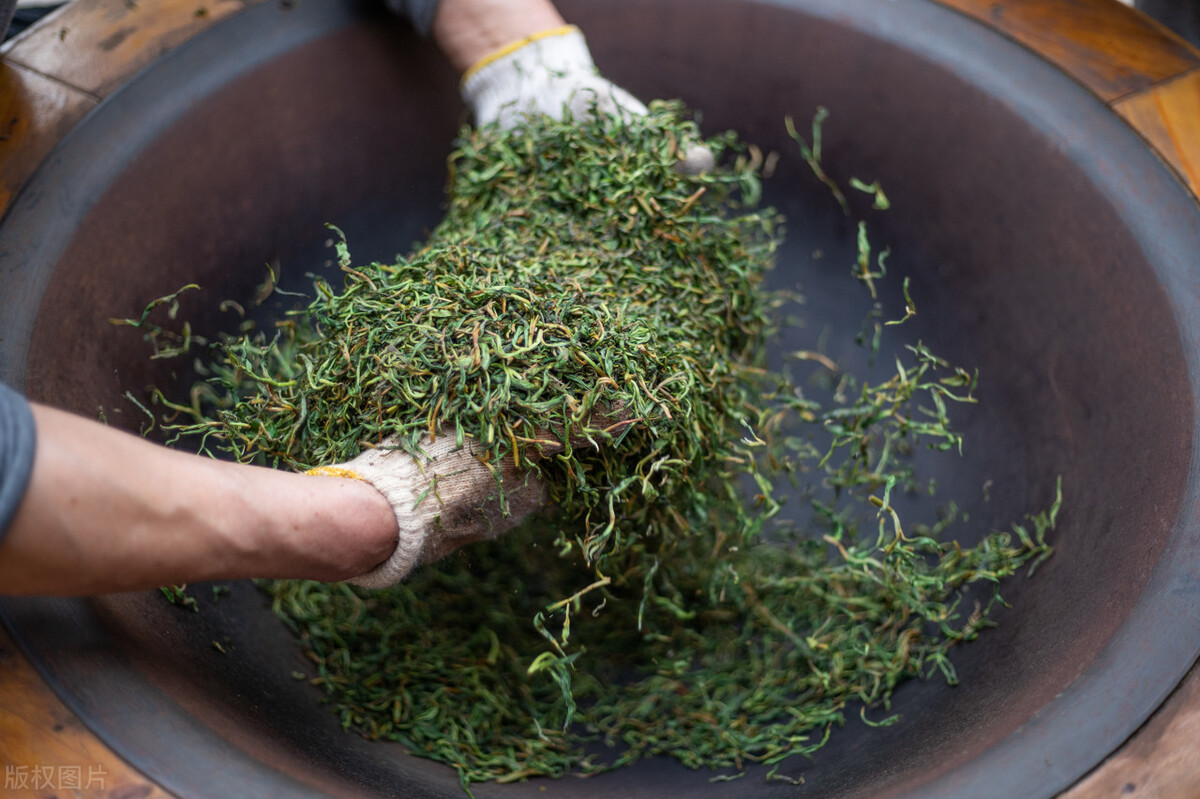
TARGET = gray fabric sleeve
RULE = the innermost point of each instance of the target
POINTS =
(7, 9)
(18, 439)
(419, 12)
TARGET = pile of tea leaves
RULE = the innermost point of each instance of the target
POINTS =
(663, 607)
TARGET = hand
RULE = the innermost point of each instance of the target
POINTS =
(451, 497)
(443, 501)
(552, 73)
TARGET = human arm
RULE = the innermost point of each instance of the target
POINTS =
(107, 511)
(467, 31)
(519, 57)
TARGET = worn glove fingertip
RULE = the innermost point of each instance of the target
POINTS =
(697, 159)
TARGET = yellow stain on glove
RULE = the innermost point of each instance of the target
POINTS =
(512, 47)
(336, 471)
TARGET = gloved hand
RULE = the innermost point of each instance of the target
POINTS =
(443, 501)
(552, 73)
(451, 497)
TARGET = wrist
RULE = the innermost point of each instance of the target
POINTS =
(469, 30)
(334, 528)
(570, 54)
(549, 74)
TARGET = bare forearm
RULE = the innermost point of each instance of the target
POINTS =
(107, 511)
(468, 30)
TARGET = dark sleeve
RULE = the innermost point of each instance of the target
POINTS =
(17, 443)
(7, 9)
(419, 12)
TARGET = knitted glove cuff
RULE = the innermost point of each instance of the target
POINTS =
(549, 73)
(418, 489)
(443, 499)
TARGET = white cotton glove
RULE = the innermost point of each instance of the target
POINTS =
(443, 501)
(552, 73)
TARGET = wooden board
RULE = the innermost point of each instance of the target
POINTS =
(46, 751)
(35, 112)
(1145, 73)
(59, 69)
(95, 45)
(1168, 116)
(1105, 45)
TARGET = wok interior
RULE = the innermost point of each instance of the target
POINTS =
(1020, 267)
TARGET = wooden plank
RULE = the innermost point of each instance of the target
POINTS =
(1168, 116)
(1110, 48)
(35, 112)
(95, 45)
(46, 751)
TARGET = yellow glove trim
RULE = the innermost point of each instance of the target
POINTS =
(512, 47)
(336, 471)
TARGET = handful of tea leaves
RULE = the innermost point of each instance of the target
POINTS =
(576, 277)
(661, 608)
